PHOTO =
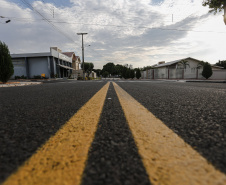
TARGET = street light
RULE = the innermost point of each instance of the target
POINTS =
(82, 53)
(5, 21)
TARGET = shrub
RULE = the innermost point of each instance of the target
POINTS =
(79, 78)
(20, 77)
(138, 74)
(37, 77)
(52, 75)
(6, 65)
(207, 70)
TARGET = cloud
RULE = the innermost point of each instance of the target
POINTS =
(139, 32)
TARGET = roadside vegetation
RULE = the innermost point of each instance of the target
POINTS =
(207, 70)
(6, 65)
(88, 67)
(214, 5)
(221, 64)
(121, 71)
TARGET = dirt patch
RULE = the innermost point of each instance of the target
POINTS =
(10, 83)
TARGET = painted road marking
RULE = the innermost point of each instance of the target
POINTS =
(166, 157)
(61, 160)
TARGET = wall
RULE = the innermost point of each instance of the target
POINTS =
(54, 52)
(162, 73)
(38, 66)
(218, 75)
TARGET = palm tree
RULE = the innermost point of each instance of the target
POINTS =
(184, 63)
(199, 66)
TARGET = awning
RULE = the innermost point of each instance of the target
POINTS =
(66, 67)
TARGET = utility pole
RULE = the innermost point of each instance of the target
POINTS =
(82, 53)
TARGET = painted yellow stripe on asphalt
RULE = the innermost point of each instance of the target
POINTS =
(166, 157)
(62, 159)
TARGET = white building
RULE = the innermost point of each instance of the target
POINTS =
(49, 64)
(187, 68)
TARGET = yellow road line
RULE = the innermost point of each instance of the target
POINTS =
(61, 160)
(166, 157)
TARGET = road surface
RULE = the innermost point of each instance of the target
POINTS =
(113, 132)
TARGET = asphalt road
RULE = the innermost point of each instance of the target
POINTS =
(31, 115)
(195, 111)
(113, 157)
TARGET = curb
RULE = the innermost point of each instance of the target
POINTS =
(202, 81)
(20, 84)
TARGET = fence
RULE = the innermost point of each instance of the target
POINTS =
(189, 73)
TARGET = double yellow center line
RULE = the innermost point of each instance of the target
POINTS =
(166, 157)
(61, 160)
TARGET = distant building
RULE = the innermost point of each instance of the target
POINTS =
(49, 64)
(191, 69)
(76, 61)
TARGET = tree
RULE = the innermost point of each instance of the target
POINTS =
(184, 63)
(138, 74)
(88, 67)
(221, 63)
(109, 67)
(215, 6)
(199, 66)
(118, 70)
(124, 69)
(127, 73)
(147, 68)
(207, 70)
(97, 71)
(6, 65)
(105, 74)
(132, 75)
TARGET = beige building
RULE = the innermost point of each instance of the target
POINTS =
(75, 64)
(187, 68)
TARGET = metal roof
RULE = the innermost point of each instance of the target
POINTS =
(173, 62)
(46, 54)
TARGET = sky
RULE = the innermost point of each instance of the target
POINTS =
(135, 32)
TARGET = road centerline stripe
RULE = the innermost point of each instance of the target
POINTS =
(61, 160)
(166, 157)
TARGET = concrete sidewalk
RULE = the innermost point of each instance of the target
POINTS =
(186, 80)
(15, 84)
(207, 81)
(24, 82)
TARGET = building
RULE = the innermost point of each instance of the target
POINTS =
(48, 64)
(187, 68)
(76, 61)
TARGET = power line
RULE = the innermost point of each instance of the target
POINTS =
(122, 26)
(119, 12)
(45, 19)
